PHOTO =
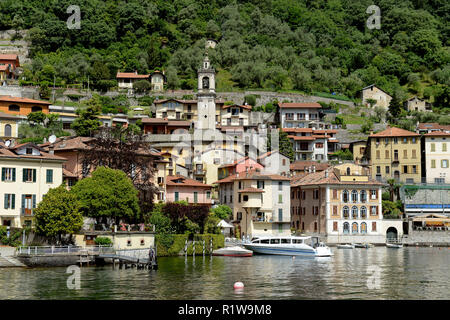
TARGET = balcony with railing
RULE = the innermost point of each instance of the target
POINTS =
(26, 212)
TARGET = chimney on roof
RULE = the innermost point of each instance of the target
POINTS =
(313, 168)
(51, 148)
(135, 71)
(326, 173)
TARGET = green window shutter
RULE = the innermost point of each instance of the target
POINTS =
(24, 175)
(3, 174)
(49, 176)
(23, 201)
(14, 174)
(34, 175)
(13, 202)
(34, 200)
(6, 201)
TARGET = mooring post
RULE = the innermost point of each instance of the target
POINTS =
(210, 246)
(193, 248)
(185, 247)
(203, 247)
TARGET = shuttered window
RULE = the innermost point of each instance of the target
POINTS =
(49, 176)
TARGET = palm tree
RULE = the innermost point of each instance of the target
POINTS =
(394, 189)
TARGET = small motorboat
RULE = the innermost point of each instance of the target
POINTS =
(362, 245)
(346, 246)
(289, 246)
(233, 252)
(394, 245)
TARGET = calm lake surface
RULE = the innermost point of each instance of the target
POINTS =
(407, 273)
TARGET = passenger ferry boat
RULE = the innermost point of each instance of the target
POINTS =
(290, 246)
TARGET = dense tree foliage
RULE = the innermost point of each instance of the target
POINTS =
(58, 214)
(275, 44)
(108, 193)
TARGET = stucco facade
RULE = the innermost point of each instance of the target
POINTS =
(27, 175)
(395, 153)
(437, 157)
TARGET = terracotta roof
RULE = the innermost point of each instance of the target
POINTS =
(325, 131)
(300, 105)
(432, 126)
(319, 178)
(8, 57)
(180, 123)
(10, 153)
(248, 107)
(302, 138)
(155, 120)
(302, 164)
(394, 132)
(22, 100)
(251, 190)
(227, 179)
(67, 173)
(131, 75)
(437, 134)
(298, 130)
(71, 143)
(181, 181)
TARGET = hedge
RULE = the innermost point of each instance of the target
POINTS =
(173, 244)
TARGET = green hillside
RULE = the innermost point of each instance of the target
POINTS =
(310, 46)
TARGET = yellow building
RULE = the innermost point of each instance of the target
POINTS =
(395, 153)
(27, 175)
(9, 125)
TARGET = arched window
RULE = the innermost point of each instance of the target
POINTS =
(346, 228)
(363, 227)
(348, 171)
(14, 107)
(354, 212)
(36, 109)
(354, 196)
(8, 130)
(363, 196)
(363, 212)
(354, 227)
(345, 212)
(345, 196)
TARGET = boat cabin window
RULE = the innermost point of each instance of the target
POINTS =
(274, 241)
(297, 241)
(285, 240)
(255, 241)
(265, 241)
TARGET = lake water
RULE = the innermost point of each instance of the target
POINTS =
(407, 273)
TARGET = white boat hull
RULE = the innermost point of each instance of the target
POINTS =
(289, 250)
(346, 246)
(393, 245)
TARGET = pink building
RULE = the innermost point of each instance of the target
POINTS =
(181, 188)
(241, 165)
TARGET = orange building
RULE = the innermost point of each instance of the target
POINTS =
(22, 106)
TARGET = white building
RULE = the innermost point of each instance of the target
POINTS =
(27, 174)
(437, 157)
(300, 115)
(275, 163)
(260, 203)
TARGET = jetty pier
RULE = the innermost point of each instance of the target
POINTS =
(52, 256)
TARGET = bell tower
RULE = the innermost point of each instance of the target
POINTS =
(206, 95)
